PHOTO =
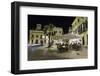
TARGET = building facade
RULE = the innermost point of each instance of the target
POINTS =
(36, 37)
(57, 37)
(57, 33)
(80, 27)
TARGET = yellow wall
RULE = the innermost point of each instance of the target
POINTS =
(85, 34)
(78, 22)
(32, 40)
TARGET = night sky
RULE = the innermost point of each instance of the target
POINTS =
(58, 21)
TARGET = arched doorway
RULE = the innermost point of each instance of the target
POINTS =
(36, 41)
(83, 40)
(41, 42)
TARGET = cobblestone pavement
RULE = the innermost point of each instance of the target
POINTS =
(44, 53)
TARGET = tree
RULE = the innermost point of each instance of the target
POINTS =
(45, 30)
(48, 31)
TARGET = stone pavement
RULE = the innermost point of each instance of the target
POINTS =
(44, 53)
(71, 54)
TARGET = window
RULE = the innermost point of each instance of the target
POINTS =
(59, 31)
(78, 20)
(55, 31)
(84, 27)
(32, 36)
(83, 40)
(40, 36)
(45, 41)
(32, 41)
(80, 29)
(41, 42)
(37, 36)
(36, 41)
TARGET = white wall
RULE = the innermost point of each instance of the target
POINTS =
(5, 41)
